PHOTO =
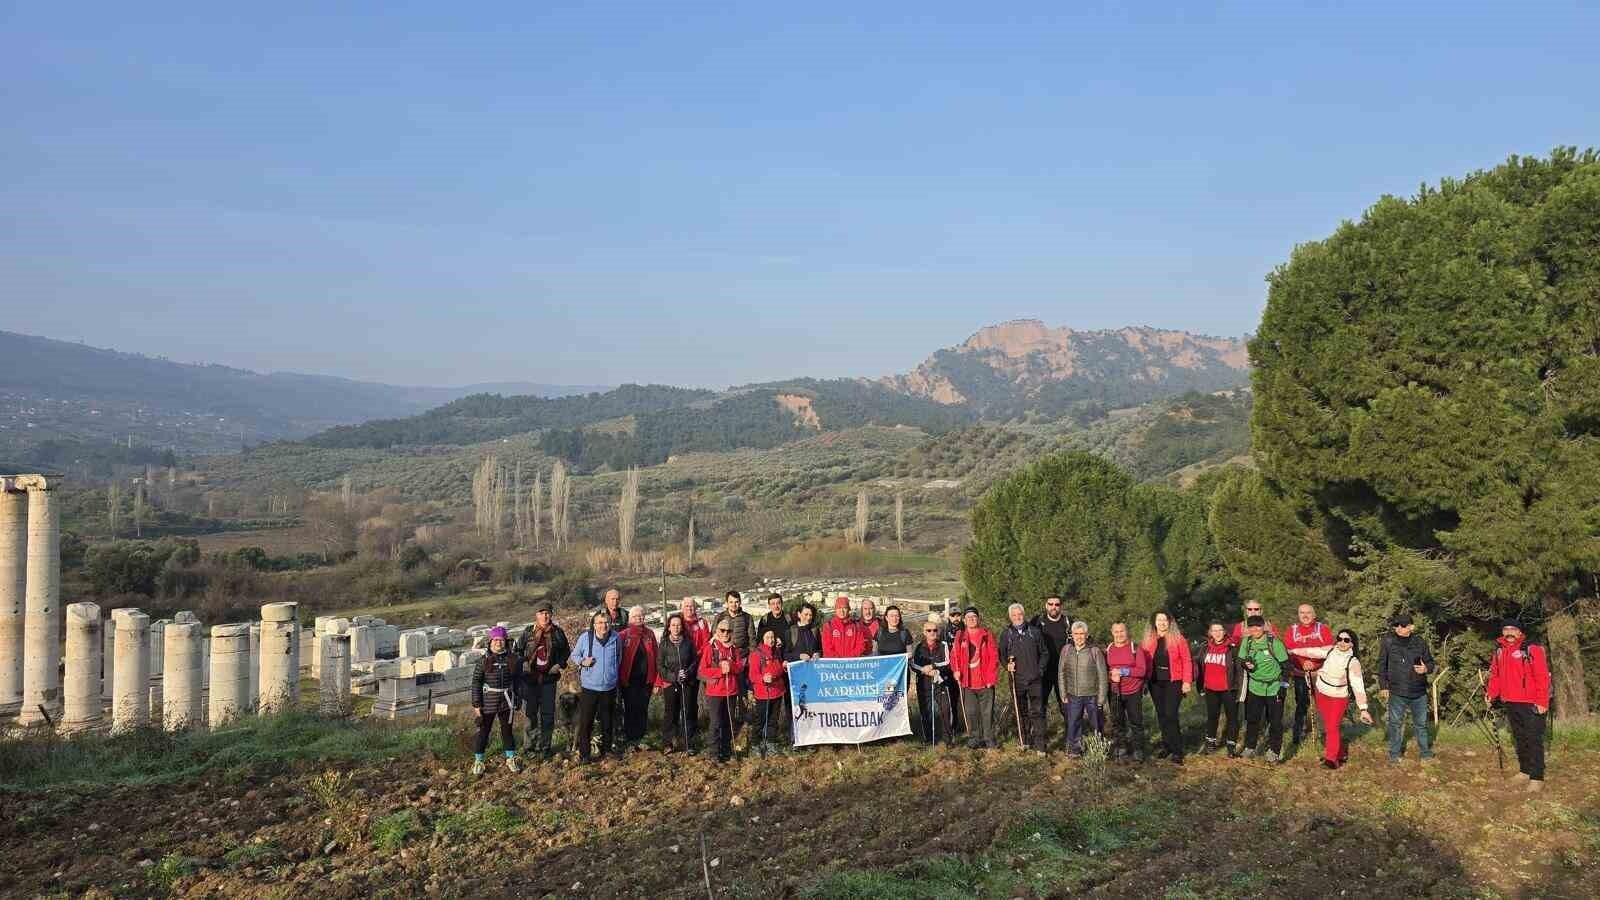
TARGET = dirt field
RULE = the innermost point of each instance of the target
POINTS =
(894, 820)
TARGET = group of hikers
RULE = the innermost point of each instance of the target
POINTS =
(1243, 674)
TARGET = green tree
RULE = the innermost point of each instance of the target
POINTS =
(1429, 379)
(1077, 525)
(1275, 557)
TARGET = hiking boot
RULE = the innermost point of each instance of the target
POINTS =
(1520, 776)
(1329, 764)
(1273, 757)
(1535, 785)
(1247, 753)
(1208, 748)
(1233, 752)
(1162, 753)
(513, 764)
(477, 768)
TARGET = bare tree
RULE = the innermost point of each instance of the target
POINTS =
(346, 493)
(900, 520)
(519, 520)
(488, 498)
(628, 511)
(560, 490)
(690, 563)
(138, 508)
(113, 505)
(537, 502)
(858, 534)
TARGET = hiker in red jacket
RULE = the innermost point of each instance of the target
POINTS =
(637, 676)
(975, 665)
(769, 681)
(1305, 634)
(719, 671)
(1171, 679)
(1519, 680)
(870, 618)
(1129, 667)
(698, 629)
(842, 636)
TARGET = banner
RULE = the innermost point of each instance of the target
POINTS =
(848, 701)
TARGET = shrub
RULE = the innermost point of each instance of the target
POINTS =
(478, 821)
(391, 832)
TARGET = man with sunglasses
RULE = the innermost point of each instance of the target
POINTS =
(1056, 628)
(1251, 608)
(720, 669)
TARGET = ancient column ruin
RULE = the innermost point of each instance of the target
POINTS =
(255, 664)
(13, 585)
(41, 639)
(333, 674)
(82, 705)
(130, 694)
(280, 658)
(182, 684)
(230, 673)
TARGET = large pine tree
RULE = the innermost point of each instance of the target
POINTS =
(1429, 379)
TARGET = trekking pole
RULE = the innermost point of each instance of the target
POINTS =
(1016, 707)
(683, 710)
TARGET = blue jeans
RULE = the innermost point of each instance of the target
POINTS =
(1417, 707)
(1079, 708)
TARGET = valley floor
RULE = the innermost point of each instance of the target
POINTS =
(376, 810)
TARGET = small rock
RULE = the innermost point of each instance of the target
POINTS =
(673, 849)
(736, 800)
(577, 885)
(716, 861)
(94, 826)
(754, 820)
(328, 847)
(146, 863)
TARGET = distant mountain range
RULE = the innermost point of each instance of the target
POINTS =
(1020, 370)
(58, 390)
(1016, 371)
(1025, 368)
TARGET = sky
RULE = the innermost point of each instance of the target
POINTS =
(712, 194)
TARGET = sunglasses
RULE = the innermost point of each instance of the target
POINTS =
(1252, 609)
(723, 631)
(1345, 640)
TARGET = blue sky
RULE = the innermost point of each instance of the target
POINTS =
(713, 194)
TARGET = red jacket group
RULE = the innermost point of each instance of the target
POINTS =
(718, 684)
(764, 662)
(1519, 672)
(975, 644)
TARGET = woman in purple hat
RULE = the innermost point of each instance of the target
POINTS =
(494, 686)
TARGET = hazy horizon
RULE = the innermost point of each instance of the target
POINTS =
(716, 197)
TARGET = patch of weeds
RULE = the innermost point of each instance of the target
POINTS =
(481, 820)
(332, 791)
(250, 854)
(165, 874)
(1182, 890)
(391, 832)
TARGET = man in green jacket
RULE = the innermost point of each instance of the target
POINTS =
(1263, 658)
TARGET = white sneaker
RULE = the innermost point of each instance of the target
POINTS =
(1520, 776)
(513, 765)
(477, 767)
(1535, 785)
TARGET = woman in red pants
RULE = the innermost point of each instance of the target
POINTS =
(1339, 676)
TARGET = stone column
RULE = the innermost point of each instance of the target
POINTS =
(81, 706)
(13, 587)
(130, 695)
(333, 674)
(182, 686)
(255, 664)
(41, 639)
(230, 673)
(108, 659)
(280, 658)
(158, 655)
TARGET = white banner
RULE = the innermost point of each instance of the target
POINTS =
(848, 701)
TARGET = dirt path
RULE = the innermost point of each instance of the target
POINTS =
(780, 827)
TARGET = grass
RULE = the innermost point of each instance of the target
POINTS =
(478, 821)
(391, 832)
(251, 855)
(1047, 852)
(150, 756)
(165, 874)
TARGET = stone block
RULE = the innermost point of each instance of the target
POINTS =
(414, 644)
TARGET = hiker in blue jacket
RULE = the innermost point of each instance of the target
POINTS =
(599, 657)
